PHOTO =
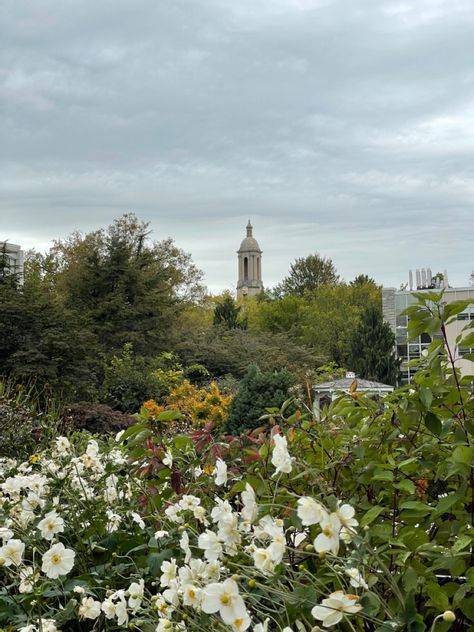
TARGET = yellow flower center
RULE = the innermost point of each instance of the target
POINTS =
(327, 531)
(238, 623)
(55, 558)
(226, 599)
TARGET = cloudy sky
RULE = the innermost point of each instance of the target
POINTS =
(339, 126)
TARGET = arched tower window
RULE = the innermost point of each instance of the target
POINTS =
(258, 269)
(246, 268)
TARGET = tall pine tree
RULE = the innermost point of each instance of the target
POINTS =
(373, 354)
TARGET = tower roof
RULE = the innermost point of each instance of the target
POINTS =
(249, 243)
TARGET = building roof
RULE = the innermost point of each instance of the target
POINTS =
(249, 243)
(346, 384)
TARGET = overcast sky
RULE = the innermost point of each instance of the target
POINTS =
(339, 126)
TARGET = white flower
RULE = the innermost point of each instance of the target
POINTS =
(172, 512)
(310, 511)
(332, 610)
(6, 534)
(160, 534)
(221, 511)
(261, 627)
(57, 561)
(263, 560)
(113, 521)
(108, 608)
(172, 593)
(138, 519)
(27, 580)
(346, 513)
(191, 595)
(168, 570)
(12, 552)
(209, 542)
(89, 608)
(136, 591)
(121, 611)
(280, 456)
(328, 540)
(225, 599)
(63, 446)
(168, 459)
(357, 581)
(164, 625)
(220, 472)
(189, 502)
(184, 545)
(250, 508)
(50, 525)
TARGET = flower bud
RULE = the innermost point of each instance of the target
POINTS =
(449, 616)
(252, 583)
(309, 548)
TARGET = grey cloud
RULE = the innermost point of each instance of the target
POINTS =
(339, 126)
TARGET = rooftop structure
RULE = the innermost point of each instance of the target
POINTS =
(394, 302)
(325, 392)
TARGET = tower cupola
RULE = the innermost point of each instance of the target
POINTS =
(250, 265)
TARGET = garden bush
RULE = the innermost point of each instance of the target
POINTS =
(258, 391)
(95, 418)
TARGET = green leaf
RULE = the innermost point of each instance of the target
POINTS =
(445, 503)
(371, 515)
(416, 505)
(467, 341)
(382, 475)
(437, 597)
(433, 423)
(461, 543)
(169, 415)
(426, 397)
(406, 485)
(467, 607)
(454, 308)
(463, 454)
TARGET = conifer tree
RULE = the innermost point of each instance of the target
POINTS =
(228, 314)
(373, 354)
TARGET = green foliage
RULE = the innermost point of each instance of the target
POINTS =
(308, 273)
(231, 351)
(258, 391)
(129, 290)
(130, 380)
(227, 313)
(323, 320)
(373, 354)
(29, 419)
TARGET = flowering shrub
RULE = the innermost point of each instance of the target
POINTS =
(196, 405)
(361, 522)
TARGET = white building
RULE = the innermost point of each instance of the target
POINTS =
(14, 257)
(394, 302)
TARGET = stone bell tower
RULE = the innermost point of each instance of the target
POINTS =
(250, 266)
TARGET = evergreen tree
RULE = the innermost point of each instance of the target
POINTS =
(372, 354)
(258, 391)
(227, 313)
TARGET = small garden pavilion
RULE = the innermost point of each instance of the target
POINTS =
(326, 392)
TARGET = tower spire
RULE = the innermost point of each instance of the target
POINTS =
(249, 229)
(250, 267)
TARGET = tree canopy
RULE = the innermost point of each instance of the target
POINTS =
(307, 274)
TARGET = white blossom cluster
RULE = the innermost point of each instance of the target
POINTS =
(217, 543)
